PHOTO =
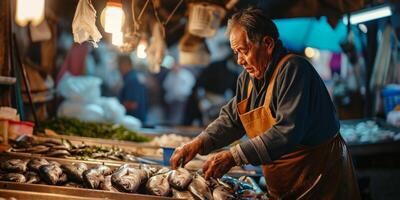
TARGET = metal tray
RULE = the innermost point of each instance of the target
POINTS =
(66, 192)
(25, 195)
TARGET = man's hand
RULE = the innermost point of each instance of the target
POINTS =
(218, 165)
(185, 153)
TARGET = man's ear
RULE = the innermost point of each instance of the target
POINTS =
(269, 43)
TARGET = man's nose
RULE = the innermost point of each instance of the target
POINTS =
(240, 60)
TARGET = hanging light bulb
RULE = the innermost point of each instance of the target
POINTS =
(29, 11)
(117, 39)
(112, 17)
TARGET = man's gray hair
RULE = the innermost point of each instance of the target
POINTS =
(255, 23)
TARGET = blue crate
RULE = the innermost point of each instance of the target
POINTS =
(391, 97)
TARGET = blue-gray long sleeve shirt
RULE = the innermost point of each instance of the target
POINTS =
(301, 105)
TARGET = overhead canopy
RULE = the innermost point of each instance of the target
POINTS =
(176, 26)
(299, 33)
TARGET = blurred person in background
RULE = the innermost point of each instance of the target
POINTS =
(134, 94)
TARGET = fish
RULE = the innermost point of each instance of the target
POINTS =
(24, 141)
(150, 170)
(92, 178)
(180, 178)
(50, 173)
(128, 179)
(32, 177)
(38, 149)
(13, 177)
(199, 187)
(107, 185)
(33, 149)
(58, 153)
(251, 182)
(74, 171)
(221, 193)
(60, 147)
(14, 165)
(158, 185)
(105, 170)
(182, 194)
(53, 141)
(35, 163)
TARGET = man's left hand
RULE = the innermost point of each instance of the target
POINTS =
(218, 165)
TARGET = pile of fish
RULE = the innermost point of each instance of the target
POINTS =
(64, 148)
(128, 178)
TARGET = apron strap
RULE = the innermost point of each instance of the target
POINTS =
(271, 84)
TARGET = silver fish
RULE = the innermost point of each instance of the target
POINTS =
(14, 165)
(105, 170)
(182, 194)
(53, 141)
(58, 153)
(13, 177)
(35, 163)
(32, 177)
(92, 178)
(74, 171)
(158, 185)
(150, 170)
(199, 187)
(221, 193)
(50, 173)
(180, 178)
(24, 141)
(252, 182)
(60, 147)
(128, 179)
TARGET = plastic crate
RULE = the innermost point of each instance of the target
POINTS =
(391, 97)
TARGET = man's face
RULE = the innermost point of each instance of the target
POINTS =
(253, 57)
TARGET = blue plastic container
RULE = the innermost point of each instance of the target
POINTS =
(391, 97)
(167, 153)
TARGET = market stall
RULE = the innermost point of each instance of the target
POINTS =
(95, 96)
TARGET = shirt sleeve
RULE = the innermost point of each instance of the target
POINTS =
(226, 128)
(292, 92)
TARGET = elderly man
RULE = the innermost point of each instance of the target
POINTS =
(283, 106)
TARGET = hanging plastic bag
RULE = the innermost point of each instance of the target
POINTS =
(156, 50)
(84, 23)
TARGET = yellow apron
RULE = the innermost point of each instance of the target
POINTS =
(309, 172)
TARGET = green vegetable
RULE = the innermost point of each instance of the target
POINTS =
(71, 126)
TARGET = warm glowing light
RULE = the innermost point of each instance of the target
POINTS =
(117, 39)
(141, 50)
(310, 52)
(112, 17)
(29, 11)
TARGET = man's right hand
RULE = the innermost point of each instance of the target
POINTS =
(185, 153)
